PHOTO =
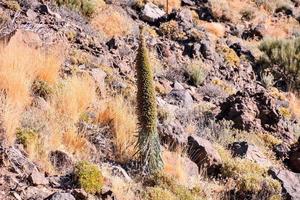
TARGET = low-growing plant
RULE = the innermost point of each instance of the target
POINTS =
(41, 89)
(229, 55)
(86, 7)
(172, 30)
(248, 14)
(89, 177)
(250, 176)
(12, 4)
(196, 72)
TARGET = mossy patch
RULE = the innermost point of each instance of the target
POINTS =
(89, 177)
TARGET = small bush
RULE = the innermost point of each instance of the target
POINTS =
(41, 89)
(248, 14)
(282, 58)
(26, 137)
(172, 30)
(89, 177)
(169, 183)
(86, 7)
(229, 55)
(196, 72)
(285, 112)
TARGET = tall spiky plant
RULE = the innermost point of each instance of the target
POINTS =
(148, 139)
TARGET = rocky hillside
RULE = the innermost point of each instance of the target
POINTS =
(226, 80)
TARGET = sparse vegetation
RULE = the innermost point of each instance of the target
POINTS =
(281, 57)
(89, 177)
(13, 5)
(250, 176)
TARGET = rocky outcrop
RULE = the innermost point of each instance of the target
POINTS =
(151, 13)
(201, 152)
(250, 110)
(290, 183)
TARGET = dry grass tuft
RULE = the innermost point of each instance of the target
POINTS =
(73, 96)
(122, 120)
(112, 22)
(76, 144)
(20, 66)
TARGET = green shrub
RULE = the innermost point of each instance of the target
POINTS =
(282, 58)
(89, 177)
(148, 139)
(86, 7)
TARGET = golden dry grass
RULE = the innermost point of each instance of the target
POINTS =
(174, 166)
(73, 96)
(294, 104)
(20, 66)
(112, 22)
(76, 144)
(122, 120)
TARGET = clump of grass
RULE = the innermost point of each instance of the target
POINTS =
(281, 58)
(228, 89)
(285, 112)
(86, 7)
(26, 136)
(165, 184)
(248, 14)
(158, 193)
(73, 96)
(196, 72)
(112, 22)
(119, 114)
(89, 177)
